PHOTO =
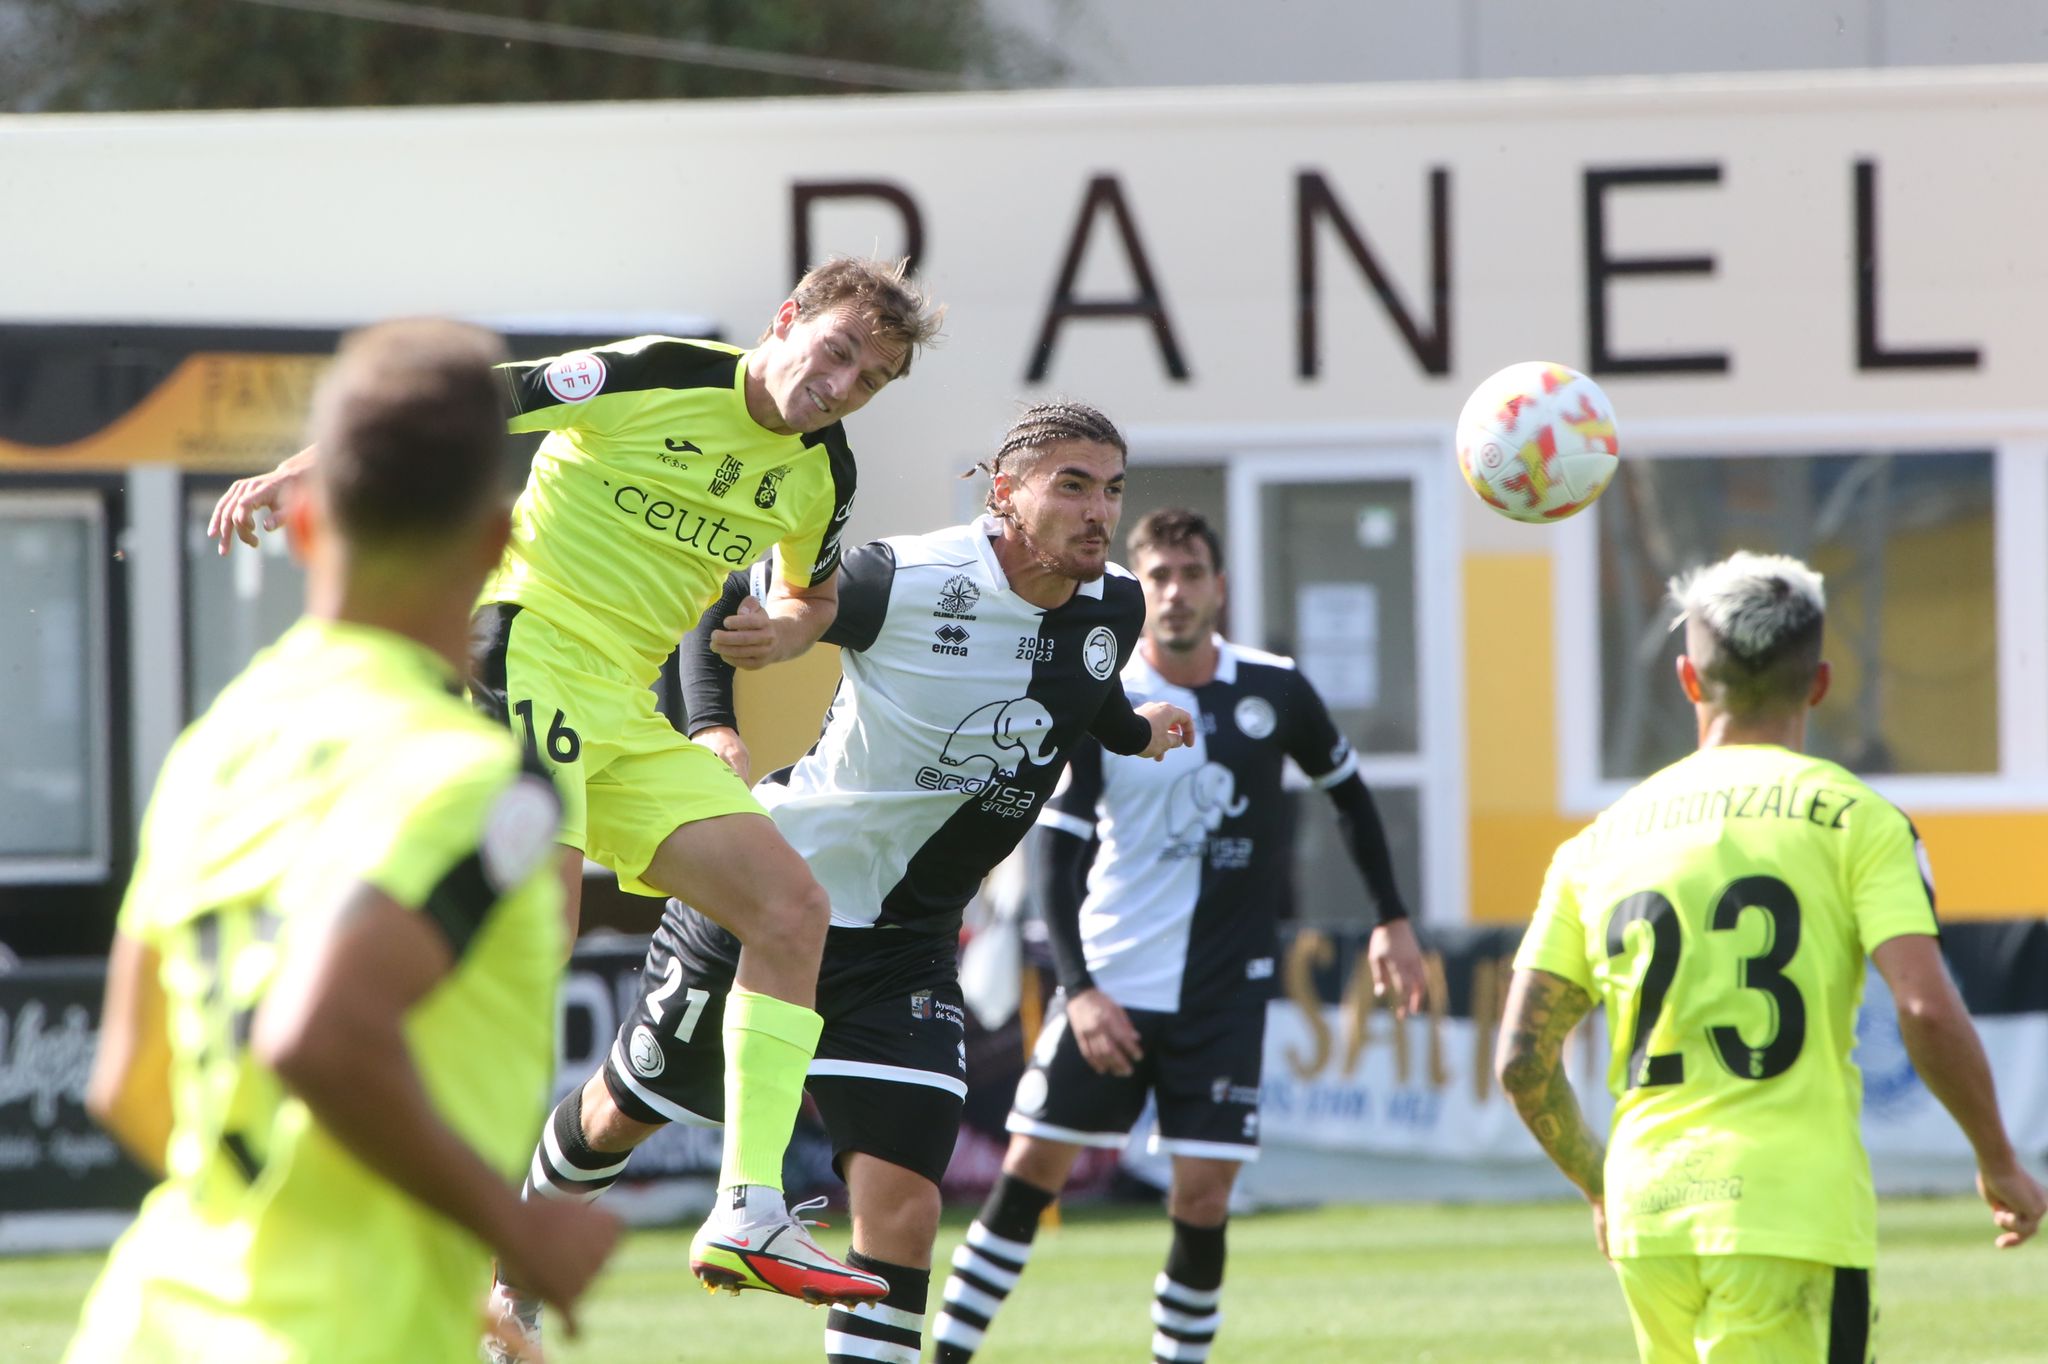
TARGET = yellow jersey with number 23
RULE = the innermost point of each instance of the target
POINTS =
(1721, 911)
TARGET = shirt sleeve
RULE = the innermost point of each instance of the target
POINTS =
(810, 554)
(453, 846)
(555, 393)
(1556, 940)
(1072, 806)
(866, 580)
(1118, 725)
(1891, 883)
(1312, 738)
(1366, 837)
(706, 678)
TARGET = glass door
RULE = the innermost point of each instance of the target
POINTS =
(1346, 561)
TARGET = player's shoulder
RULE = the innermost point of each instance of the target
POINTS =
(1257, 666)
(1120, 589)
(655, 363)
(951, 549)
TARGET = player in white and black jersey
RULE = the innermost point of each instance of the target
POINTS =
(974, 661)
(1166, 964)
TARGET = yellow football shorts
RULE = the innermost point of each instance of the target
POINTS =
(628, 779)
(1747, 1309)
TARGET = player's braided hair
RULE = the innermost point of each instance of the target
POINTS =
(1044, 424)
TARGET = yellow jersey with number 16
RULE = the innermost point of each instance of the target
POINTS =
(1721, 911)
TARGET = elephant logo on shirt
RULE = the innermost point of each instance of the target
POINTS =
(1007, 734)
(1197, 805)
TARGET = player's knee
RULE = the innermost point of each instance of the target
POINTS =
(908, 1217)
(606, 1127)
(793, 919)
(1199, 1205)
(1039, 1163)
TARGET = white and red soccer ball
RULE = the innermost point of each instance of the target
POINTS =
(1537, 442)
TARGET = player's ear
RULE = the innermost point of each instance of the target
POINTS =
(1688, 679)
(493, 535)
(1822, 676)
(302, 528)
(785, 318)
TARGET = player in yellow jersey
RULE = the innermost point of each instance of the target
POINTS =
(669, 463)
(1721, 912)
(330, 1005)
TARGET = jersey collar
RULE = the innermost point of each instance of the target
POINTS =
(987, 527)
(1141, 667)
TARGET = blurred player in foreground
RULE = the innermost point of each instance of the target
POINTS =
(345, 902)
(1166, 965)
(974, 661)
(668, 463)
(1721, 912)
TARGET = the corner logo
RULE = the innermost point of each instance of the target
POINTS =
(729, 471)
(575, 377)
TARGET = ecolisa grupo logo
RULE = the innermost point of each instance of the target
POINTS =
(990, 747)
(1196, 806)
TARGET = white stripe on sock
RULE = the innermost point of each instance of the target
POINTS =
(1180, 1295)
(861, 1347)
(562, 1162)
(981, 1236)
(548, 1184)
(1165, 1317)
(972, 1298)
(883, 1314)
(1179, 1351)
(982, 1268)
(950, 1330)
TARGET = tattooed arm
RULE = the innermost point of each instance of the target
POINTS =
(1541, 1009)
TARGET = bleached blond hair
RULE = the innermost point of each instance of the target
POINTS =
(1753, 629)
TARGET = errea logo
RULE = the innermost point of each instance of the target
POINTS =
(575, 377)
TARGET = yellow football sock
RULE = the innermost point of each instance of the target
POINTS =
(769, 1043)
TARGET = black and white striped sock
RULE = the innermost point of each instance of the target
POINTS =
(564, 1166)
(1187, 1296)
(890, 1331)
(986, 1266)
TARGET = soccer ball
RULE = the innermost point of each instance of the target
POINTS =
(1537, 442)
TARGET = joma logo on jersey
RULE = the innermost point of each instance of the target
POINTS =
(690, 528)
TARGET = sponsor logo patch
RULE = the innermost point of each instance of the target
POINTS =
(520, 832)
(575, 377)
(729, 470)
(1099, 653)
(644, 1052)
(958, 597)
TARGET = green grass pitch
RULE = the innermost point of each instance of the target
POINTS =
(1433, 1285)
